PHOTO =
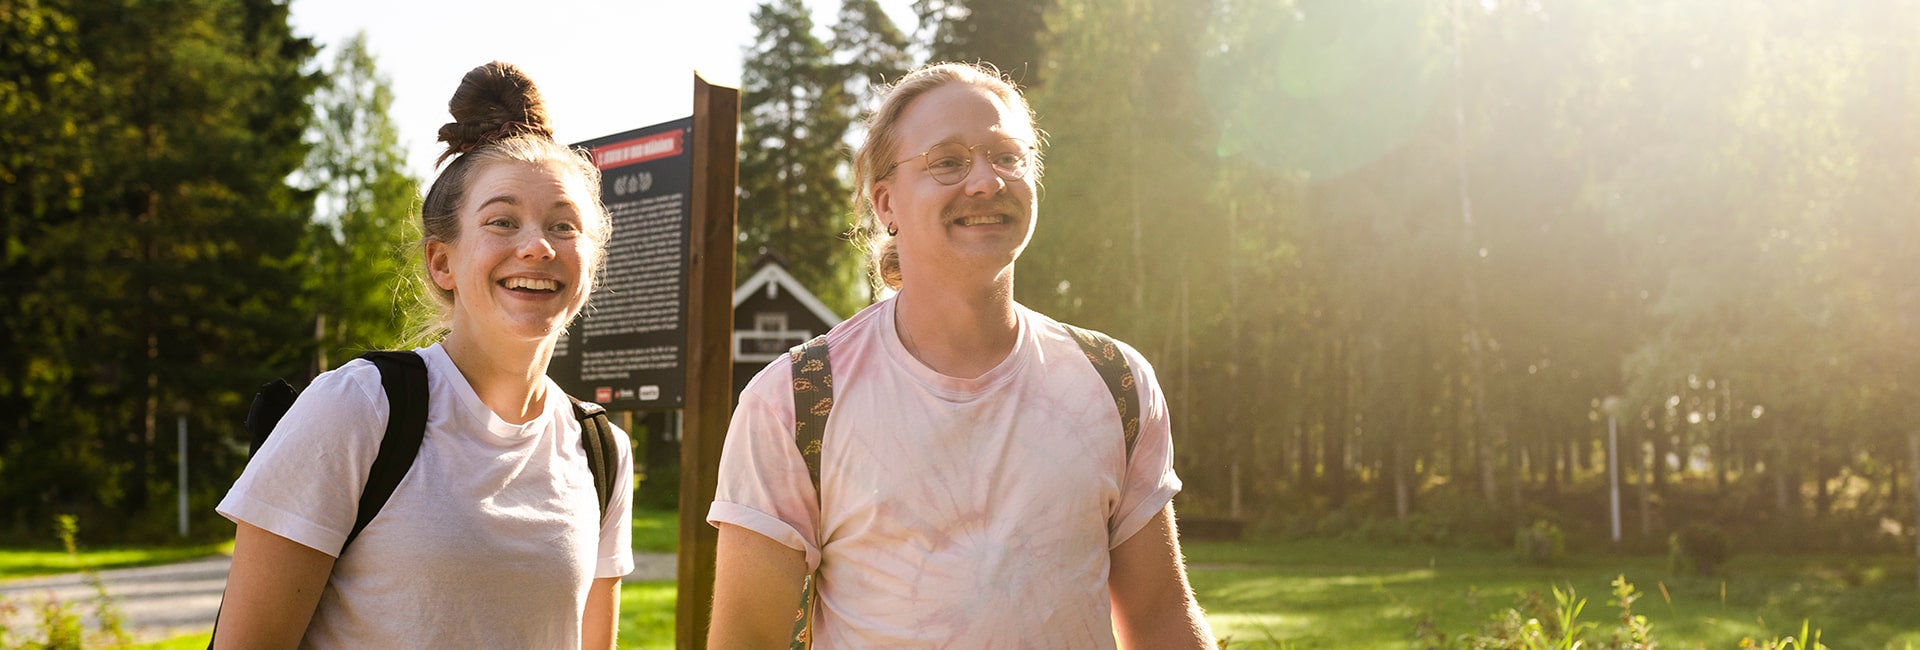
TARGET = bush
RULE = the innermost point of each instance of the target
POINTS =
(1534, 623)
(61, 626)
(658, 489)
(1542, 543)
(1700, 549)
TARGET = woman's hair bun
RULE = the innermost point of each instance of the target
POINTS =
(494, 102)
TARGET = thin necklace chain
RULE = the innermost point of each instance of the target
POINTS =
(906, 338)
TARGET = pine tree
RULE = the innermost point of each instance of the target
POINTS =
(794, 202)
(361, 278)
(47, 87)
(167, 283)
(1010, 34)
(870, 52)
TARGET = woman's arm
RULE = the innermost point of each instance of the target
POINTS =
(1152, 605)
(600, 624)
(756, 590)
(272, 590)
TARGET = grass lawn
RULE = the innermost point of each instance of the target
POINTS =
(646, 615)
(1313, 594)
(646, 621)
(1333, 594)
(646, 609)
(23, 563)
(190, 642)
(656, 531)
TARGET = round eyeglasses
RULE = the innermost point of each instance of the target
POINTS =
(950, 162)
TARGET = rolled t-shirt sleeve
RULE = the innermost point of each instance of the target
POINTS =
(304, 483)
(764, 486)
(1150, 483)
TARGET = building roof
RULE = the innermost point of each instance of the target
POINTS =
(773, 278)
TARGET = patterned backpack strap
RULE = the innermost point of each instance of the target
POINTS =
(803, 621)
(812, 403)
(1118, 375)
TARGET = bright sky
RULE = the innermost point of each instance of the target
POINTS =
(603, 67)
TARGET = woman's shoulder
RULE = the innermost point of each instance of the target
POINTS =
(357, 381)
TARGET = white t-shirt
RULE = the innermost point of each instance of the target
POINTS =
(961, 513)
(489, 542)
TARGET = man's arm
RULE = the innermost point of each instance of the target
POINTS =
(600, 623)
(1152, 605)
(756, 590)
(272, 590)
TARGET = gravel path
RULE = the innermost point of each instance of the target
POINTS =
(162, 602)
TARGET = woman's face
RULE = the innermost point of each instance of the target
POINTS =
(521, 267)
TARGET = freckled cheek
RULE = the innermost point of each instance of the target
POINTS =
(582, 258)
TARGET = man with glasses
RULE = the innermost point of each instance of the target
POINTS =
(947, 468)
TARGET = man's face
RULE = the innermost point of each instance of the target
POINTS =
(982, 221)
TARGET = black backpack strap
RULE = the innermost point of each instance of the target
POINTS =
(812, 403)
(269, 405)
(404, 376)
(596, 436)
(1118, 375)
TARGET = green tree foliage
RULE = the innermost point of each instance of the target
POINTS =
(870, 49)
(156, 254)
(361, 280)
(793, 192)
(1010, 34)
(1129, 221)
(1390, 259)
(46, 86)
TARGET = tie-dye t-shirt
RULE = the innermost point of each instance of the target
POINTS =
(958, 513)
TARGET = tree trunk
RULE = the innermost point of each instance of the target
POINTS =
(1822, 495)
(1339, 423)
(1781, 470)
(1139, 248)
(1302, 451)
(1517, 467)
(1558, 464)
(1913, 476)
(1645, 465)
(1402, 504)
(1455, 430)
(1574, 458)
(1662, 445)
(1782, 500)
(1723, 454)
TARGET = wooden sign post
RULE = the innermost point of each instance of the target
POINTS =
(716, 170)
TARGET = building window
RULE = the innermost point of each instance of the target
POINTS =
(770, 321)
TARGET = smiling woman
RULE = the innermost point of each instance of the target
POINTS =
(502, 532)
(524, 269)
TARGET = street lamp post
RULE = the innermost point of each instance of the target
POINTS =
(1612, 407)
(182, 485)
(182, 407)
